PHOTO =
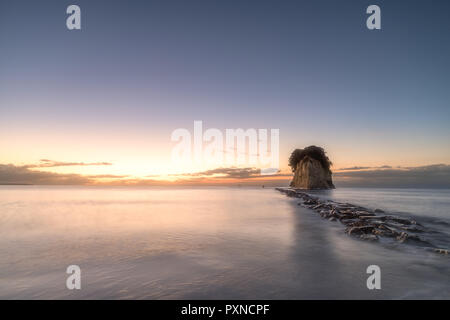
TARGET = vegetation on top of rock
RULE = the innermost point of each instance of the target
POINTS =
(314, 152)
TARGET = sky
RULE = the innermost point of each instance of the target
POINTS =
(99, 105)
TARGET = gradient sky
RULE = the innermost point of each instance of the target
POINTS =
(115, 90)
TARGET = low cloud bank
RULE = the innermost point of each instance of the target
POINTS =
(10, 174)
(46, 163)
(227, 173)
(431, 176)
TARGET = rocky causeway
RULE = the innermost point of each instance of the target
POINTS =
(364, 223)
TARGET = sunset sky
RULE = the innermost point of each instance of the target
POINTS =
(98, 105)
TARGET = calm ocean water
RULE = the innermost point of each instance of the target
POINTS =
(212, 243)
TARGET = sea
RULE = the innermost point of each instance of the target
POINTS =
(211, 243)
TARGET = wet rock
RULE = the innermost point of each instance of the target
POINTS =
(324, 213)
(347, 222)
(356, 223)
(378, 211)
(349, 216)
(365, 217)
(359, 230)
(441, 251)
(363, 213)
(381, 233)
(402, 237)
(385, 231)
(334, 213)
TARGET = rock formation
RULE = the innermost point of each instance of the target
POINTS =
(311, 169)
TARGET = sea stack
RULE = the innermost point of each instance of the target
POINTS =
(311, 169)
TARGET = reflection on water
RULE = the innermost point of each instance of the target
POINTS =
(150, 243)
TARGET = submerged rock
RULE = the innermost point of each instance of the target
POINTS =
(360, 230)
(369, 237)
(402, 237)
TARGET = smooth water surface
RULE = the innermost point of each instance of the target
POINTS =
(205, 243)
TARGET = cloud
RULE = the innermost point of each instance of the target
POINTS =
(234, 173)
(233, 176)
(46, 163)
(107, 176)
(430, 176)
(364, 168)
(230, 173)
(10, 174)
